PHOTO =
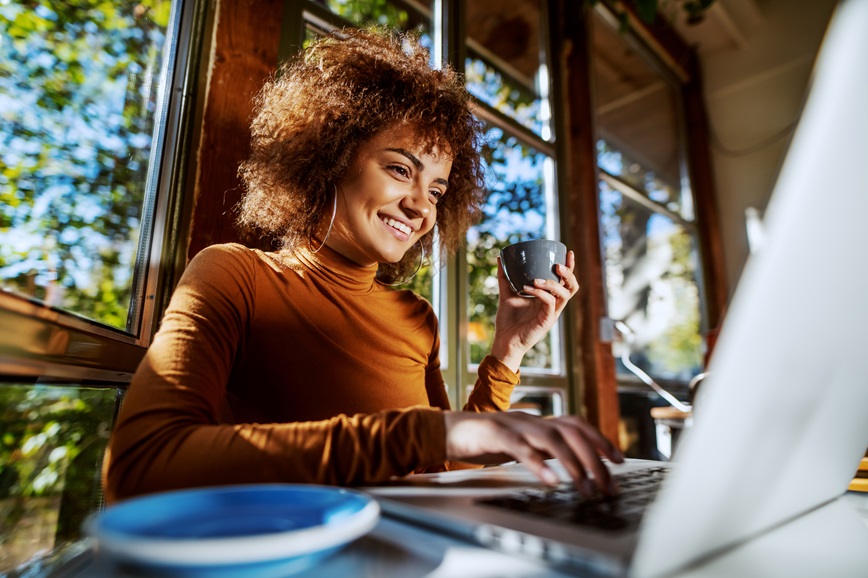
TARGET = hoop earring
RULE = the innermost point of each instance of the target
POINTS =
(410, 278)
(331, 224)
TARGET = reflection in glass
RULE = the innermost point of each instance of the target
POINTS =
(652, 271)
(79, 86)
(503, 67)
(51, 450)
(518, 208)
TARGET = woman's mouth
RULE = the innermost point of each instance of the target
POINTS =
(398, 225)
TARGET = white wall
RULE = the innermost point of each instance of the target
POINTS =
(754, 88)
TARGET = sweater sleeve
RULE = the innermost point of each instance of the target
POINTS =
(494, 385)
(169, 433)
(493, 388)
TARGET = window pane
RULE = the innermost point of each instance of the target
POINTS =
(637, 121)
(51, 449)
(394, 14)
(518, 208)
(80, 84)
(638, 177)
(652, 270)
(503, 66)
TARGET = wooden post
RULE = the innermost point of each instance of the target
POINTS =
(593, 363)
(707, 213)
(244, 53)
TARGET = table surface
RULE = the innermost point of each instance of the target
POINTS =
(830, 541)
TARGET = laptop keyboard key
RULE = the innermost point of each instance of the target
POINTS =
(566, 504)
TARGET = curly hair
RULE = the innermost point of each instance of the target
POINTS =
(311, 118)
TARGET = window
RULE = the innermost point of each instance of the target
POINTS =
(82, 97)
(90, 149)
(649, 234)
(519, 206)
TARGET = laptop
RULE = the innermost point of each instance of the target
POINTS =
(780, 423)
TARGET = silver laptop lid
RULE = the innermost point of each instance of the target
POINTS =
(782, 420)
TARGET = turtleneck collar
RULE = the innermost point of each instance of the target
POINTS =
(336, 268)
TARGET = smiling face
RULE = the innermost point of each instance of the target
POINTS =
(388, 199)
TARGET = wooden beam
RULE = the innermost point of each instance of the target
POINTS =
(244, 53)
(594, 363)
(707, 212)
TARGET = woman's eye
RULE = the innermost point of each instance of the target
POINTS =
(435, 195)
(400, 170)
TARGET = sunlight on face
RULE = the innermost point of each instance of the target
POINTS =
(388, 199)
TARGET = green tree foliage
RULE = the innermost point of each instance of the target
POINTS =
(79, 84)
(51, 448)
(372, 13)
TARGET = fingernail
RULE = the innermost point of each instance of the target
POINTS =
(549, 477)
(539, 281)
(528, 288)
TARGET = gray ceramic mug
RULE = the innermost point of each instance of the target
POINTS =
(523, 262)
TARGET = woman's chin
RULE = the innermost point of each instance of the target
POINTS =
(391, 256)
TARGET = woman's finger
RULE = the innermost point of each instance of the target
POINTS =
(568, 279)
(600, 442)
(547, 438)
(531, 457)
(559, 291)
(531, 440)
(587, 456)
(543, 294)
(551, 441)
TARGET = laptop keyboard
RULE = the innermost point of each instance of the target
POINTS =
(565, 503)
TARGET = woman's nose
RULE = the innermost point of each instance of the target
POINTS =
(417, 202)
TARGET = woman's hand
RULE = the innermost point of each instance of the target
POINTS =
(521, 322)
(485, 438)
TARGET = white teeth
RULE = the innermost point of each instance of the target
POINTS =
(398, 225)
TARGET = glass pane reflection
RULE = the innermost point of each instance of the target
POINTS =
(637, 117)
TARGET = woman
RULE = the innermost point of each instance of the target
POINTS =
(304, 365)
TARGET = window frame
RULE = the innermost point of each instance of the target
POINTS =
(38, 341)
(677, 78)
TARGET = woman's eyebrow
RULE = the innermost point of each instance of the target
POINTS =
(416, 163)
(413, 158)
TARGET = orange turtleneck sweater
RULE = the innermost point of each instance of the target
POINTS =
(287, 367)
